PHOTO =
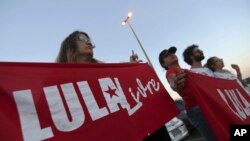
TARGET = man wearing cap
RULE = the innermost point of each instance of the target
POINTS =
(169, 61)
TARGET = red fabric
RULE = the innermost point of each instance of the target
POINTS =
(186, 96)
(216, 110)
(173, 71)
(157, 107)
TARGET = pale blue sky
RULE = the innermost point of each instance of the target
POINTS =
(32, 30)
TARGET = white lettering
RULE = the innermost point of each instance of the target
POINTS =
(240, 132)
(246, 103)
(141, 90)
(225, 100)
(241, 105)
(58, 111)
(114, 95)
(237, 132)
(236, 103)
(74, 117)
(94, 110)
(243, 131)
(30, 124)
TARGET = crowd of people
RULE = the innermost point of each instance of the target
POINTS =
(176, 76)
(78, 48)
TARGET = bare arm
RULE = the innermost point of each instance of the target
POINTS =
(237, 69)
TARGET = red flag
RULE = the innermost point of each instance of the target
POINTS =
(223, 102)
(48, 101)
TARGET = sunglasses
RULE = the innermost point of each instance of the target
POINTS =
(85, 39)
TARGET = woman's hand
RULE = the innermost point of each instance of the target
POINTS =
(134, 58)
(235, 67)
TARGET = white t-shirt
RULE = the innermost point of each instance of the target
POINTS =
(203, 70)
(225, 75)
(228, 75)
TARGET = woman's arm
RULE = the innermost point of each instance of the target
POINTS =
(237, 69)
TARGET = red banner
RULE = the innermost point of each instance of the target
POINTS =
(91, 102)
(223, 102)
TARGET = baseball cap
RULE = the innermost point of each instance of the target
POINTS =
(164, 53)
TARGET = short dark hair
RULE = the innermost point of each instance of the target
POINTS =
(210, 63)
(188, 52)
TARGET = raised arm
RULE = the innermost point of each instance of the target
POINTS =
(237, 69)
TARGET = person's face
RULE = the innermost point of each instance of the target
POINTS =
(170, 60)
(84, 44)
(198, 54)
(218, 63)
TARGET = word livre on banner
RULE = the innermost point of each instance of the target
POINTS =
(76, 101)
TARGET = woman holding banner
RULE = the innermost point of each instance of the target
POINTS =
(78, 48)
(216, 65)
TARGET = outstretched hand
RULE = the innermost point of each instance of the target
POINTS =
(134, 58)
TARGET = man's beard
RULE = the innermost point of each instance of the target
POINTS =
(199, 58)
